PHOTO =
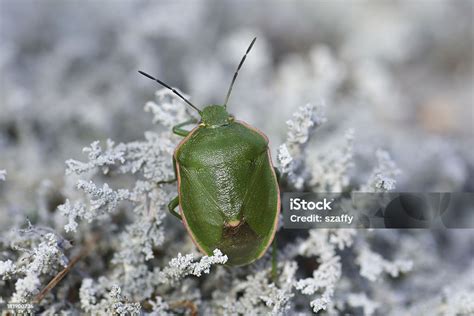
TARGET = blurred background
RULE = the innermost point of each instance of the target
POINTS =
(398, 73)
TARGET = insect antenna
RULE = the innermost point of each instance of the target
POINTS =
(237, 72)
(170, 88)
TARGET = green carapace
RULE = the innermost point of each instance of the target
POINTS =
(228, 194)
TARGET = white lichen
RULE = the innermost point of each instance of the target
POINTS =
(361, 300)
(325, 277)
(382, 178)
(43, 256)
(330, 171)
(290, 155)
(167, 110)
(182, 266)
(372, 265)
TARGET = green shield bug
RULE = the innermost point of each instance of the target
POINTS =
(228, 194)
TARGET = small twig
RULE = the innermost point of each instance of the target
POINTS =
(186, 304)
(84, 251)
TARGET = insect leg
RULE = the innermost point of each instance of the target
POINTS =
(181, 131)
(172, 205)
(274, 260)
(278, 174)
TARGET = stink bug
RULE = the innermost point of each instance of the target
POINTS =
(228, 194)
